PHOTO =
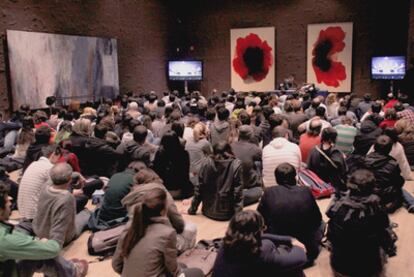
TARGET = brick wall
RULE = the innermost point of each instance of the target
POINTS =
(380, 27)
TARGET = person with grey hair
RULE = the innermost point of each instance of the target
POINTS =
(56, 216)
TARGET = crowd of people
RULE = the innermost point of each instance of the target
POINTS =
(137, 154)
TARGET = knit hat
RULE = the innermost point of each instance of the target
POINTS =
(245, 132)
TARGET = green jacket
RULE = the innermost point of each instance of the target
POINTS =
(18, 246)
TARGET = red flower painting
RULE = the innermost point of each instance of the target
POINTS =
(325, 65)
(253, 57)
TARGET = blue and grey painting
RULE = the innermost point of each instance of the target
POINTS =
(68, 67)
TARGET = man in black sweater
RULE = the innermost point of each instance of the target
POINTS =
(291, 210)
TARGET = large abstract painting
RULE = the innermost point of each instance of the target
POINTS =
(329, 56)
(68, 67)
(252, 59)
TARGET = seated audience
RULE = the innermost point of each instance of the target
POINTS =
(220, 186)
(251, 157)
(319, 114)
(136, 150)
(358, 230)
(34, 152)
(367, 135)
(146, 180)
(197, 147)
(148, 247)
(112, 212)
(296, 118)
(390, 119)
(172, 164)
(364, 105)
(220, 129)
(56, 216)
(406, 138)
(101, 157)
(310, 139)
(40, 255)
(279, 150)
(246, 251)
(328, 162)
(387, 174)
(289, 209)
(397, 152)
(346, 135)
(34, 180)
(81, 131)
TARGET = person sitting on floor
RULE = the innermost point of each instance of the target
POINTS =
(278, 151)
(112, 211)
(289, 209)
(220, 185)
(34, 152)
(172, 164)
(328, 162)
(39, 255)
(146, 180)
(251, 157)
(148, 247)
(387, 173)
(35, 178)
(56, 216)
(358, 229)
(246, 251)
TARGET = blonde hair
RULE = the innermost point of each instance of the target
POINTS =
(401, 126)
(199, 131)
(82, 127)
(88, 111)
(330, 99)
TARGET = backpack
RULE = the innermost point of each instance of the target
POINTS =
(319, 188)
(103, 243)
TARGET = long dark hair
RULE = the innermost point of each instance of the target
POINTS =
(152, 206)
(243, 237)
(170, 144)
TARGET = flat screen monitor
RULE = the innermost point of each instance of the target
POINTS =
(388, 67)
(185, 70)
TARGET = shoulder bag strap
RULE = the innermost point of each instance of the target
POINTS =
(326, 157)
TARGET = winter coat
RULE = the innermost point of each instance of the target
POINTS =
(357, 232)
(219, 188)
(388, 179)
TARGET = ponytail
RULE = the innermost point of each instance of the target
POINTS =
(152, 206)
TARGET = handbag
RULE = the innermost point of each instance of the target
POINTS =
(202, 256)
(318, 187)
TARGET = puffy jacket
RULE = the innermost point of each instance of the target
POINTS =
(219, 188)
(389, 180)
(366, 137)
(219, 131)
(357, 232)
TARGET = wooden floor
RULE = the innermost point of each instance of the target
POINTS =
(400, 266)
